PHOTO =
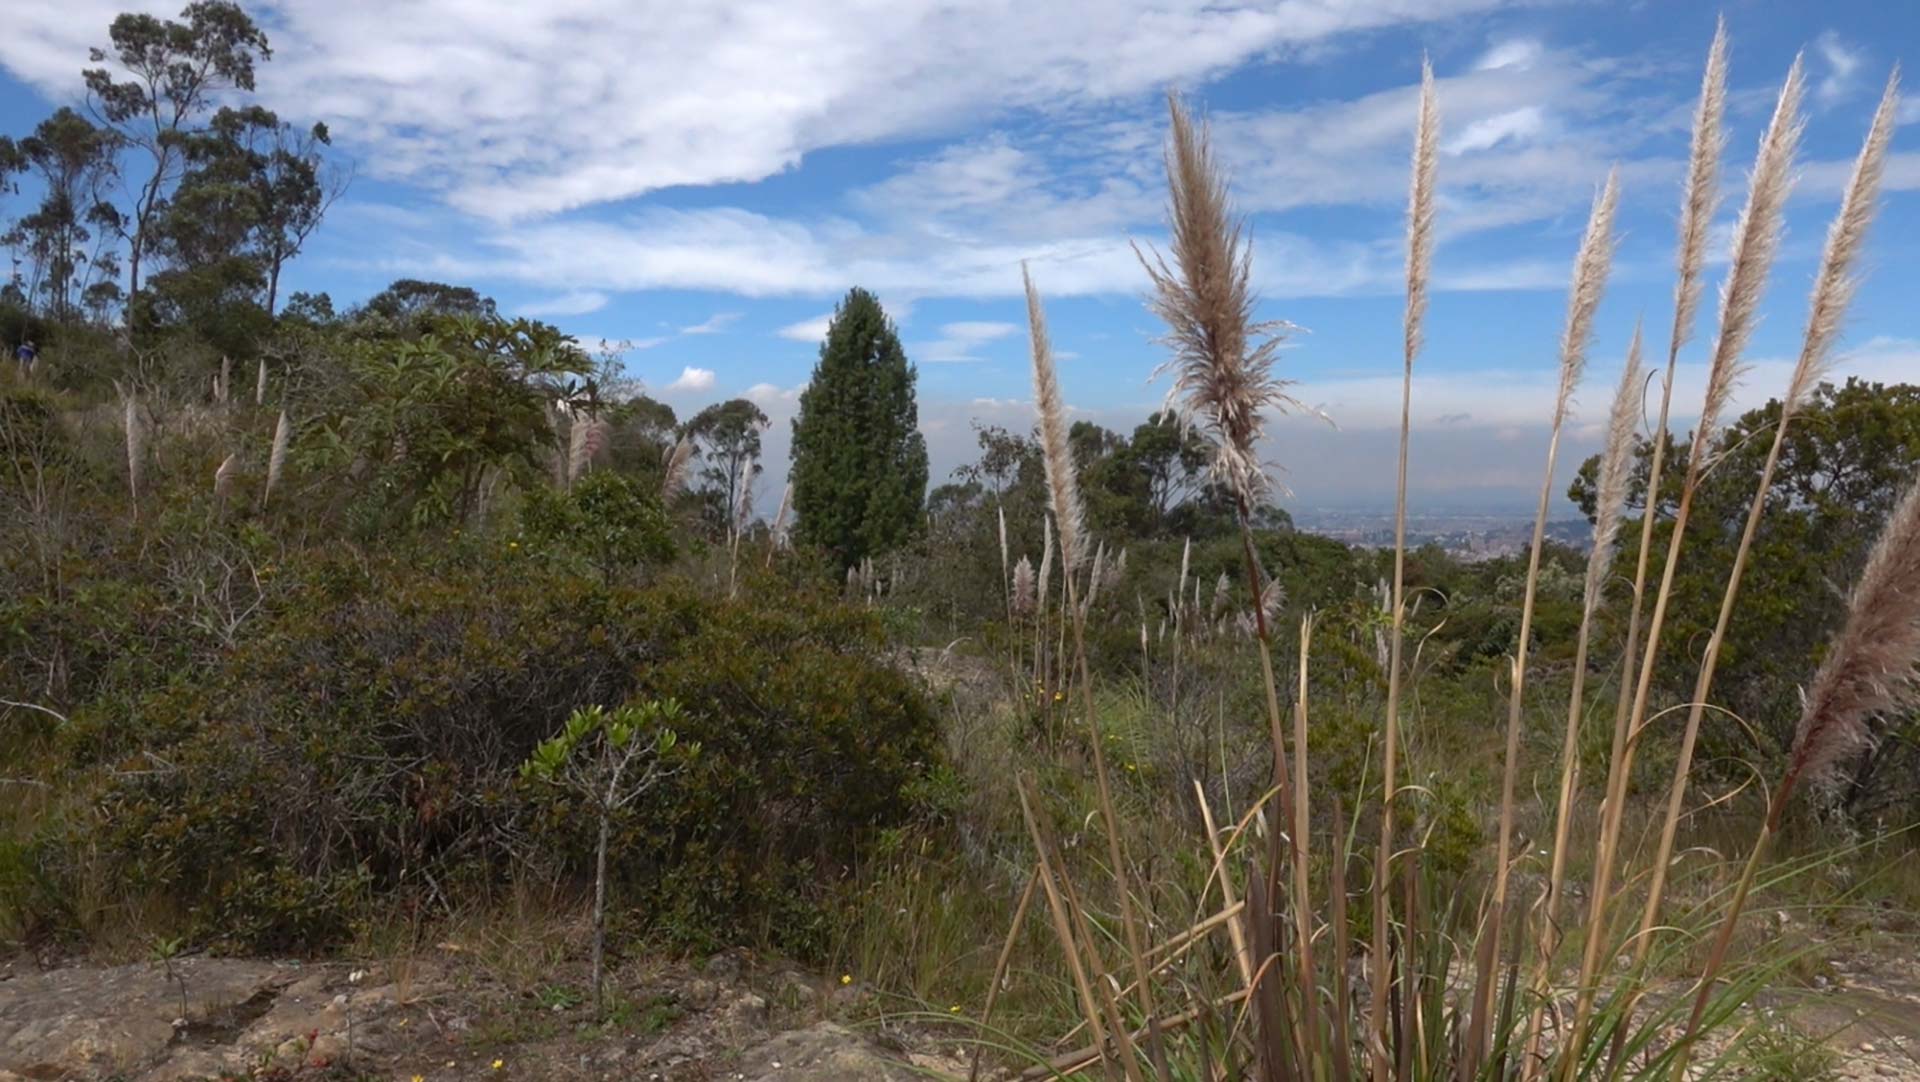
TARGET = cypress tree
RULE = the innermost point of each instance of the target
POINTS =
(859, 461)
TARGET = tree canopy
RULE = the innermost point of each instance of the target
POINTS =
(859, 460)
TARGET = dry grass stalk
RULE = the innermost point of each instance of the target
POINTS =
(1222, 366)
(1420, 212)
(1590, 268)
(1869, 671)
(1063, 489)
(1222, 363)
(1005, 568)
(276, 456)
(136, 431)
(1302, 833)
(1699, 199)
(777, 535)
(223, 390)
(223, 480)
(577, 448)
(1832, 293)
(1062, 926)
(1756, 237)
(1006, 955)
(1755, 241)
(260, 384)
(1616, 468)
(1237, 927)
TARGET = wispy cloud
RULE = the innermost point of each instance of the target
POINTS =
(1517, 53)
(958, 342)
(807, 330)
(1842, 63)
(713, 324)
(580, 303)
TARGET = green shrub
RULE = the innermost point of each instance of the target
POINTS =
(364, 738)
(607, 520)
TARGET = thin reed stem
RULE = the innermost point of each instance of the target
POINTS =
(1420, 213)
(1589, 282)
(1833, 292)
(1612, 489)
(1755, 239)
(1699, 198)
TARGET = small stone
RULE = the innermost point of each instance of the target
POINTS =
(1866, 1046)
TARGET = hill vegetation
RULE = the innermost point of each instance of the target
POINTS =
(306, 612)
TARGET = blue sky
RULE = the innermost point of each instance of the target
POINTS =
(700, 182)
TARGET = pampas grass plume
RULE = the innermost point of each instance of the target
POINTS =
(1756, 236)
(223, 479)
(277, 456)
(1590, 267)
(1834, 284)
(1616, 469)
(1426, 149)
(1222, 358)
(1870, 669)
(1023, 594)
(1062, 486)
(136, 447)
(675, 473)
(1701, 195)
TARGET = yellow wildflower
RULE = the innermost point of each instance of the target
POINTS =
(846, 978)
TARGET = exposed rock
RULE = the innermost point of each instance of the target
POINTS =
(822, 1053)
(88, 1022)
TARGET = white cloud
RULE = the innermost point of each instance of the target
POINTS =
(631, 98)
(692, 379)
(713, 324)
(958, 341)
(755, 255)
(807, 330)
(766, 395)
(579, 303)
(1842, 64)
(1910, 109)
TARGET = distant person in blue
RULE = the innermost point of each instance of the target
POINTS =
(26, 355)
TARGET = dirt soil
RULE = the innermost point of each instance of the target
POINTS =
(443, 1018)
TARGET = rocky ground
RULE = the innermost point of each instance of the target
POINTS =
(207, 1018)
(444, 1017)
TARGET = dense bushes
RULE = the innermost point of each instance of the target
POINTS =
(363, 736)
